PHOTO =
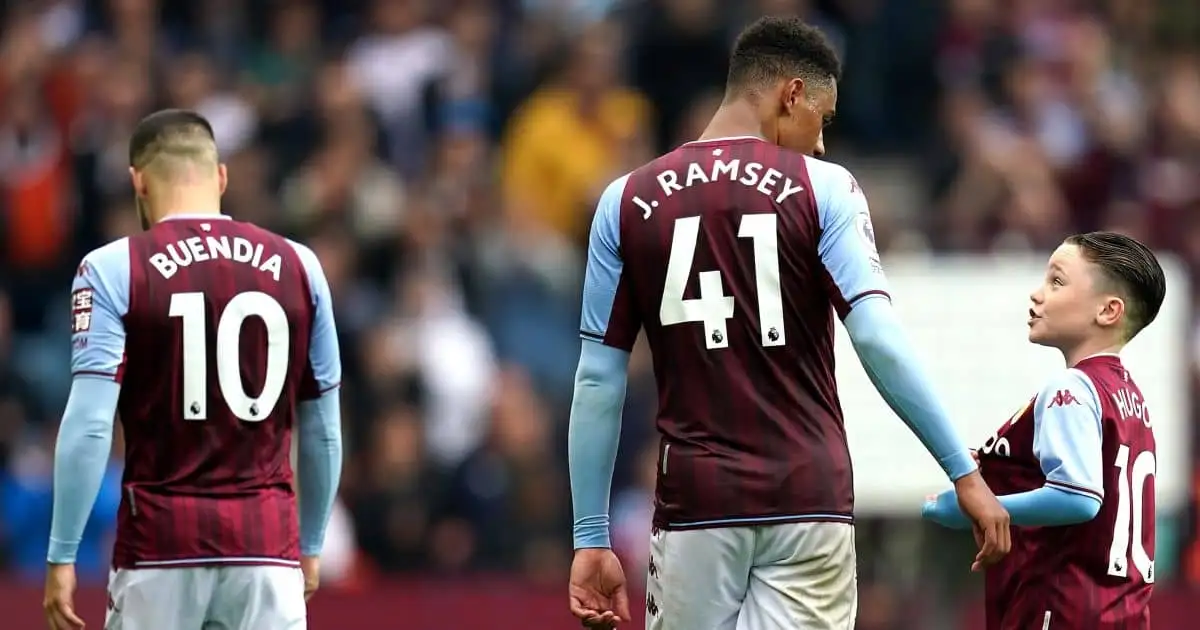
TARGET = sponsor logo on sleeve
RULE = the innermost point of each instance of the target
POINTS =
(81, 311)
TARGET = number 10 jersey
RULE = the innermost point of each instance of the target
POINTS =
(1088, 432)
(207, 324)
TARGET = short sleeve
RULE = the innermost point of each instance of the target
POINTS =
(847, 243)
(99, 302)
(1068, 434)
(609, 315)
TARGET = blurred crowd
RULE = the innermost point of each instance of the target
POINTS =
(443, 160)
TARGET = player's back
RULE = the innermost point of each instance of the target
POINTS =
(218, 327)
(1098, 574)
(721, 242)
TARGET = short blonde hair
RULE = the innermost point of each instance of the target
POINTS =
(172, 141)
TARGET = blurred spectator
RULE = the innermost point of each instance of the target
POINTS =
(572, 137)
(26, 501)
(679, 52)
(394, 509)
(507, 491)
(400, 38)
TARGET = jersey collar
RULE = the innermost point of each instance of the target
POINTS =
(195, 217)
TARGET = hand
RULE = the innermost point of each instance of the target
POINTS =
(975, 456)
(59, 601)
(989, 518)
(310, 566)
(597, 589)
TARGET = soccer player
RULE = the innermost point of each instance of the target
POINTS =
(212, 339)
(1075, 466)
(734, 253)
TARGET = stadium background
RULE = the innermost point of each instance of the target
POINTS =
(443, 157)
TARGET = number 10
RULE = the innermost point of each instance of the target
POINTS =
(1127, 537)
(190, 307)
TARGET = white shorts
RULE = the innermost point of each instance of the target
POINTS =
(799, 576)
(199, 598)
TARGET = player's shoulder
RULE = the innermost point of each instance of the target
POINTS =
(615, 189)
(1067, 387)
(107, 258)
(830, 180)
(308, 258)
(1106, 372)
(260, 234)
(608, 207)
(254, 231)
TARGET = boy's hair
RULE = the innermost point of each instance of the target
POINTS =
(1133, 271)
(170, 139)
(775, 48)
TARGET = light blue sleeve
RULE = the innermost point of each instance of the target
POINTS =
(847, 244)
(1068, 436)
(1068, 442)
(80, 459)
(319, 456)
(324, 354)
(1048, 506)
(319, 460)
(592, 438)
(99, 301)
(606, 318)
(890, 362)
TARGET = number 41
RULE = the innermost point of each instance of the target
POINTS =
(713, 307)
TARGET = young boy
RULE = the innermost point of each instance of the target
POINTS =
(1075, 467)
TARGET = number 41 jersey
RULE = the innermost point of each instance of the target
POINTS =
(207, 324)
(736, 256)
(1088, 432)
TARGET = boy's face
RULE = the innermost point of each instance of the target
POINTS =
(1069, 306)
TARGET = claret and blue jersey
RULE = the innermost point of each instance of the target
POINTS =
(213, 338)
(1075, 467)
(734, 256)
(1088, 438)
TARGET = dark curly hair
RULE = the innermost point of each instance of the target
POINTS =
(775, 48)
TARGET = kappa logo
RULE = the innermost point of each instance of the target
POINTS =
(1063, 398)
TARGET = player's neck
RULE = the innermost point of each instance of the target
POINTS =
(184, 206)
(189, 211)
(733, 119)
(1091, 348)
